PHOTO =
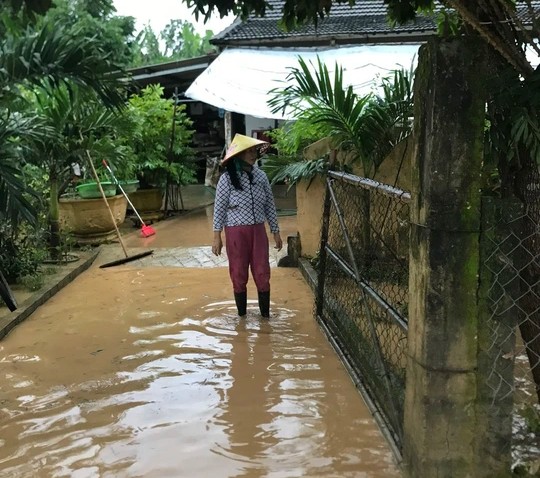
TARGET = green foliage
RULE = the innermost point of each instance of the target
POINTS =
(147, 48)
(33, 282)
(21, 252)
(288, 165)
(18, 134)
(388, 116)
(324, 101)
(513, 132)
(155, 159)
(291, 138)
(449, 23)
(97, 20)
(50, 54)
(180, 41)
(42, 55)
(281, 168)
(368, 127)
(79, 122)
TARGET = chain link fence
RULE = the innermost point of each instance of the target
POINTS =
(362, 300)
(510, 346)
(362, 295)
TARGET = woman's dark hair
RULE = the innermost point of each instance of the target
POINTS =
(233, 173)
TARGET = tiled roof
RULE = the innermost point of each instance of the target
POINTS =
(356, 24)
(365, 22)
(364, 7)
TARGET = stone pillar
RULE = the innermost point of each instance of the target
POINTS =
(440, 399)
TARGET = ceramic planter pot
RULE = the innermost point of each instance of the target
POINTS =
(89, 220)
(129, 186)
(148, 203)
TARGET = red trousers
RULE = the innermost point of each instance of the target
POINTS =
(248, 246)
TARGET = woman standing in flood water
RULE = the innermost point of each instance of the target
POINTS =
(244, 202)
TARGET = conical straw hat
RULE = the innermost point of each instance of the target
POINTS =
(241, 143)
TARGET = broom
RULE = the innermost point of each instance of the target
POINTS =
(127, 257)
(146, 230)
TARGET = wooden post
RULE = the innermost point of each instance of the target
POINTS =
(227, 119)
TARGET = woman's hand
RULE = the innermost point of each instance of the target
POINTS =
(278, 241)
(217, 244)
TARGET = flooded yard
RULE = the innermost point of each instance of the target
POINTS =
(148, 372)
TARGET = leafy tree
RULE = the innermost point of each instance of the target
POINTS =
(177, 41)
(46, 55)
(368, 127)
(182, 41)
(98, 20)
(158, 156)
(147, 50)
(79, 122)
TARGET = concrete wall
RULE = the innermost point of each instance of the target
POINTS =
(309, 204)
(310, 200)
(253, 123)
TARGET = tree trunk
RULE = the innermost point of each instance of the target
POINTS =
(54, 224)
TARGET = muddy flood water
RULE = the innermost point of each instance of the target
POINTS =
(149, 373)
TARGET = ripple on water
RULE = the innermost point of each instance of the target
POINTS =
(192, 391)
(14, 358)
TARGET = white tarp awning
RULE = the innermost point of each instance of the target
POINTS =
(239, 79)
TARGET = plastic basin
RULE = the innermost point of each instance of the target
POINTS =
(91, 190)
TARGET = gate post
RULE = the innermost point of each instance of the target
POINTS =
(441, 386)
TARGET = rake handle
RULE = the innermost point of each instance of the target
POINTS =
(107, 167)
(96, 177)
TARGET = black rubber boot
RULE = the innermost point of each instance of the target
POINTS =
(264, 304)
(241, 302)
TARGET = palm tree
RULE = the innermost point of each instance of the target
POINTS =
(79, 122)
(18, 136)
(42, 55)
(368, 127)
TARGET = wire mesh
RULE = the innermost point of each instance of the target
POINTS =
(365, 292)
(510, 262)
(364, 301)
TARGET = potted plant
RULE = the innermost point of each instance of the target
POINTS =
(79, 123)
(160, 136)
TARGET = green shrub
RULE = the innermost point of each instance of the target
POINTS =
(33, 282)
(21, 252)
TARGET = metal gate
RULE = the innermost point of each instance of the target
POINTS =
(362, 294)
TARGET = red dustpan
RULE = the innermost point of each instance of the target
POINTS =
(146, 230)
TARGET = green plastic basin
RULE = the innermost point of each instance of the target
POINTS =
(91, 190)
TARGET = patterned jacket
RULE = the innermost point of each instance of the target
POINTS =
(254, 204)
